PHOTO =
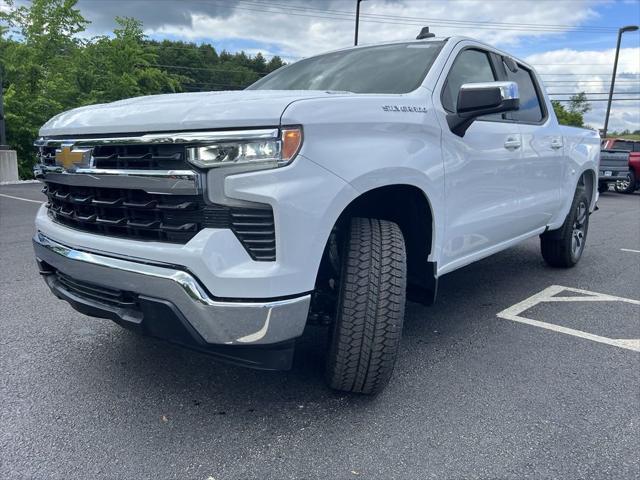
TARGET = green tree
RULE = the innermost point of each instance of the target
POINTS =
(49, 67)
(121, 67)
(579, 104)
(39, 69)
(573, 115)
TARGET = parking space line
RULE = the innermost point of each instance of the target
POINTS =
(550, 294)
(20, 198)
(630, 250)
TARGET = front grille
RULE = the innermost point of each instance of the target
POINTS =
(139, 215)
(98, 293)
(133, 157)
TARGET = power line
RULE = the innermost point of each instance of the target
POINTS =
(422, 20)
(200, 88)
(347, 16)
(212, 69)
(383, 18)
(195, 46)
(594, 93)
(571, 64)
(218, 69)
(580, 82)
(601, 100)
(586, 74)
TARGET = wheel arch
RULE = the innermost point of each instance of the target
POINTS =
(589, 179)
(410, 207)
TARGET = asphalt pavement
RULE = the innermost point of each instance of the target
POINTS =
(474, 395)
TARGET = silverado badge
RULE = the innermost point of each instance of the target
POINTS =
(404, 108)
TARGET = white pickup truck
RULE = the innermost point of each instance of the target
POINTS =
(327, 192)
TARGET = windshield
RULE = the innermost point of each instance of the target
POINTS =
(397, 68)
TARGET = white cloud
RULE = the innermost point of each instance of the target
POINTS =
(595, 68)
(300, 32)
(298, 36)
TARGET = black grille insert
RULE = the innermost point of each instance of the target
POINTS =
(98, 293)
(140, 215)
(130, 157)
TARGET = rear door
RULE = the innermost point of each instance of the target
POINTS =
(542, 149)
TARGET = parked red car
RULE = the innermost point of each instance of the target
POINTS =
(633, 147)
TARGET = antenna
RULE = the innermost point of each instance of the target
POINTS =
(424, 33)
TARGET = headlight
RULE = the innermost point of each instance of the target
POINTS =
(263, 153)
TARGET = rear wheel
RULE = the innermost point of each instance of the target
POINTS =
(628, 185)
(366, 333)
(564, 247)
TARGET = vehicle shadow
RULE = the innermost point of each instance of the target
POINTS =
(155, 368)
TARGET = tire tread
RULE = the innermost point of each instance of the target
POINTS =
(367, 332)
(556, 245)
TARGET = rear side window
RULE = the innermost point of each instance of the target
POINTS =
(530, 110)
(471, 66)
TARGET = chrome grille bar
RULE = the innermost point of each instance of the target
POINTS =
(162, 138)
(174, 182)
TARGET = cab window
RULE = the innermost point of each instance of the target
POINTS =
(470, 66)
(530, 110)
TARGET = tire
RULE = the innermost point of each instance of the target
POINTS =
(563, 248)
(365, 337)
(628, 186)
(603, 187)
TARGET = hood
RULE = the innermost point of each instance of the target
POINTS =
(180, 111)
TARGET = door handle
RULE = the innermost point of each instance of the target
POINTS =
(512, 143)
(556, 144)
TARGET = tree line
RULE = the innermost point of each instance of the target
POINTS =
(47, 67)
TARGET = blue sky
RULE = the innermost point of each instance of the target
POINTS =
(610, 14)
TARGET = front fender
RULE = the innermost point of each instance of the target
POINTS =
(369, 145)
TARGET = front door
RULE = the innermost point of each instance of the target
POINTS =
(483, 170)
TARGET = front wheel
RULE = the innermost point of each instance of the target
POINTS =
(365, 337)
(564, 247)
(628, 185)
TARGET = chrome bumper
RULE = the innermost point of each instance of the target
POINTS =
(216, 321)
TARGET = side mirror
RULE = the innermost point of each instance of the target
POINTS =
(477, 99)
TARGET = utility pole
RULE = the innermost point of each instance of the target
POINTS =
(628, 28)
(355, 39)
(3, 136)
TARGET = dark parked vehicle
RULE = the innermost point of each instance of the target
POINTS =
(614, 167)
(632, 182)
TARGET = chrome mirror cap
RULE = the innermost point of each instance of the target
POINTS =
(508, 90)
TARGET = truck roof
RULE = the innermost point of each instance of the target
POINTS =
(454, 40)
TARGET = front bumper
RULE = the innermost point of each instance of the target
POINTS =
(213, 321)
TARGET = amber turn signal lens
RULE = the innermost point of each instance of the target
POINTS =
(291, 141)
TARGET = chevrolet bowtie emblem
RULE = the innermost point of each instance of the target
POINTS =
(69, 158)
